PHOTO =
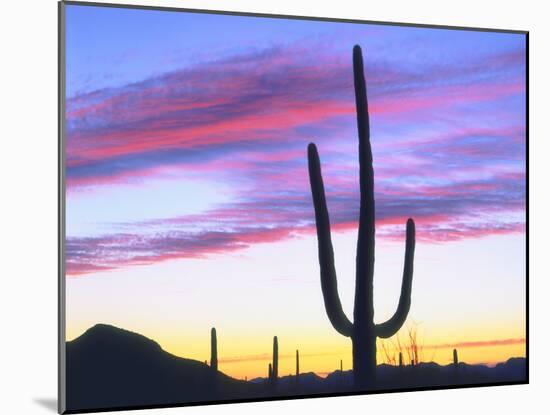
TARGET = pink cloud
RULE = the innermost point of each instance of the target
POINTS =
(248, 120)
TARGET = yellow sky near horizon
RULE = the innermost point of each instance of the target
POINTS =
(464, 291)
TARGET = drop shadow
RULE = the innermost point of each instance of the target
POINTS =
(48, 403)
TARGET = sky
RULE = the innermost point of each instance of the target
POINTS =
(187, 194)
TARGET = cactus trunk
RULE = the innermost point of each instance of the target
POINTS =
(363, 331)
(364, 358)
(364, 336)
(455, 358)
(400, 359)
(213, 350)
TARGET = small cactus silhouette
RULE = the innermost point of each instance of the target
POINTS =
(213, 350)
(363, 331)
(455, 358)
(269, 373)
(275, 372)
(400, 359)
(297, 366)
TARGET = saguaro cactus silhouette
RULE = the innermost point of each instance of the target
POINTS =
(455, 358)
(297, 366)
(213, 350)
(363, 331)
(275, 369)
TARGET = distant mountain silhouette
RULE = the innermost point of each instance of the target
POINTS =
(108, 367)
(308, 383)
(425, 374)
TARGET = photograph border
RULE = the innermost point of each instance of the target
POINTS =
(62, 196)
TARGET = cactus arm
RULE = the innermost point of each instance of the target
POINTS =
(390, 327)
(329, 284)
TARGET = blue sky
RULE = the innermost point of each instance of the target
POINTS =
(109, 47)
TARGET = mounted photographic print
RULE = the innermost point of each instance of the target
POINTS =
(261, 207)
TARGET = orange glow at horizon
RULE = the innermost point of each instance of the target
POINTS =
(244, 357)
